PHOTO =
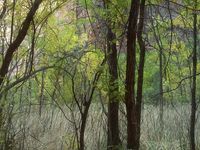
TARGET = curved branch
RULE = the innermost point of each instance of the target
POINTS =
(11, 85)
(17, 42)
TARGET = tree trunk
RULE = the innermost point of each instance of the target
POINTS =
(84, 112)
(15, 45)
(161, 92)
(83, 125)
(193, 92)
(140, 70)
(130, 76)
(113, 105)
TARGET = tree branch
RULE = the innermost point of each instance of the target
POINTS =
(16, 43)
(11, 85)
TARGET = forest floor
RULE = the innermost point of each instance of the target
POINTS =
(53, 130)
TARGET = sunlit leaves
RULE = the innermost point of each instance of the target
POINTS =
(91, 61)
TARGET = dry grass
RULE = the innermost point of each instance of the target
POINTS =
(52, 131)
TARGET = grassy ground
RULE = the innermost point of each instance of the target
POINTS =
(53, 131)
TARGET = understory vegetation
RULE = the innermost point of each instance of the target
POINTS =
(99, 75)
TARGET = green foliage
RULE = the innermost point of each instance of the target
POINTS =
(72, 37)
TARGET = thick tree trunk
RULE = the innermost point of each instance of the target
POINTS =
(113, 105)
(130, 76)
(193, 92)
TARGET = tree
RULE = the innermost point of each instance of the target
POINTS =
(130, 75)
(16, 43)
(133, 103)
(194, 72)
(10, 52)
(70, 62)
(140, 69)
(113, 104)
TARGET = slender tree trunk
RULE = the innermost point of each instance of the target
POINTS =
(193, 92)
(83, 125)
(41, 101)
(161, 92)
(113, 105)
(140, 70)
(130, 76)
(86, 107)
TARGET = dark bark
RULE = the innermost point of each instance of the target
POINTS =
(16, 43)
(140, 70)
(113, 105)
(83, 125)
(193, 92)
(130, 75)
(12, 21)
